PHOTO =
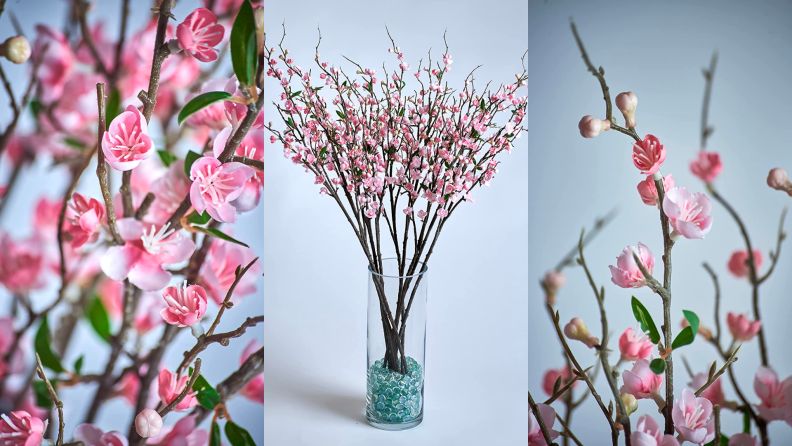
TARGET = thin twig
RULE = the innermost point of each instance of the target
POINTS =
(256, 164)
(539, 419)
(101, 168)
(250, 369)
(187, 389)
(714, 377)
(706, 131)
(55, 400)
(716, 411)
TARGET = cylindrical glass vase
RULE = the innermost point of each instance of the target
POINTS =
(396, 344)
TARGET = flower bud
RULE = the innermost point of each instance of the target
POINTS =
(576, 329)
(778, 180)
(148, 423)
(590, 126)
(630, 403)
(16, 49)
(555, 280)
(627, 102)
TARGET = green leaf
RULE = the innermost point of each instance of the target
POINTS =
(322, 152)
(43, 398)
(113, 107)
(693, 320)
(199, 219)
(340, 115)
(189, 160)
(724, 441)
(100, 320)
(244, 48)
(214, 437)
(317, 88)
(205, 394)
(44, 348)
(481, 104)
(290, 122)
(35, 108)
(202, 101)
(645, 319)
(78, 364)
(167, 158)
(685, 337)
(657, 366)
(746, 422)
(74, 143)
(237, 435)
(222, 235)
(295, 94)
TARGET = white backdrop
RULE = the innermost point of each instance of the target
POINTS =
(42, 180)
(657, 51)
(315, 333)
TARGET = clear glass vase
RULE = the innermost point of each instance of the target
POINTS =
(396, 344)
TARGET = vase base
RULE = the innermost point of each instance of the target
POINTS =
(403, 426)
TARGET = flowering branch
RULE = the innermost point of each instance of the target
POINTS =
(251, 368)
(101, 167)
(54, 396)
(540, 420)
(187, 389)
(622, 417)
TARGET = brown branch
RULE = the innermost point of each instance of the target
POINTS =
(6, 135)
(540, 420)
(714, 377)
(55, 400)
(774, 255)
(82, 11)
(221, 338)
(716, 411)
(256, 164)
(160, 54)
(706, 131)
(251, 368)
(144, 206)
(187, 389)
(101, 168)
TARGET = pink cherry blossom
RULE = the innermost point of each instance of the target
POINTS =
(772, 393)
(626, 273)
(590, 126)
(535, 437)
(126, 142)
(778, 180)
(94, 436)
(21, 265)
(743, 439)
(148, 316)
(128, 388)
(647, 432)
(714, 392)
(28, 403)
(550, 377)
(76, 112)
(183, 433)
(634, 346)
(689, 213)
(738, 262)
(641, 382)
(148, 423)
(693, 418)
(742, 328)
(169, 190)
(254, 390)
(56, 63)
(218, 272)
(19, 428)
(170, 388)
(186, 304)
(144, 253)
(199, 33)
(252, 146)
(215, 185)
(213, 116)
(648, 190)
(83, 219)
(707, 166)
(648, 155)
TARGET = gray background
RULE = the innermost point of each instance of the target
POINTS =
(315, 334)
(657, 50)
(42, 180)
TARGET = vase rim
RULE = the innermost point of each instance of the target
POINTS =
(423, 270)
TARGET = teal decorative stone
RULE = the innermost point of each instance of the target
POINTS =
(392, 397)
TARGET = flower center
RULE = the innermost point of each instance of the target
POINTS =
(695, 419)
(214, 186)
(155, 242)
(690, 211)
(126, 144)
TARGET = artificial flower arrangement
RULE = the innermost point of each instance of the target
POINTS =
(398, 161)
(689, 412)
(150, 255)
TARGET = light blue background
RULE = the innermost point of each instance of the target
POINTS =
(41, 179)
(657, 50)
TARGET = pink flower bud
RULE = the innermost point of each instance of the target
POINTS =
(148, 423)
(742, 328)
(627, 102)
(16, 49)
(550, 377)
(590, 126)
(555, 280)
(576, 329)
(738, 263)
(778, 180)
